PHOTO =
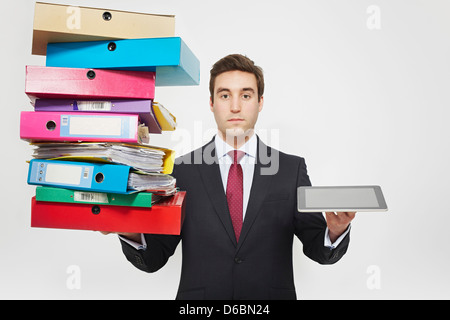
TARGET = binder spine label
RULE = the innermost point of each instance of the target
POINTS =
(61, 175)
(94, 105)
(120, 127)
(90, 197)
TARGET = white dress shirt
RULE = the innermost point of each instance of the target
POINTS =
(248, 166)
(247, 163)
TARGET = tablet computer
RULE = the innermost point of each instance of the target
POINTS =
(341, 199)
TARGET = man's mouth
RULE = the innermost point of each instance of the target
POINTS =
(235, 119)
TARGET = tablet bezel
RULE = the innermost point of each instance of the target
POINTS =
(301, 195)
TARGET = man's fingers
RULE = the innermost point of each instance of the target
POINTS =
(342, 217)
(347, 216)
(351, 215)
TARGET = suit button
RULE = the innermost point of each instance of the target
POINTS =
(238, 260)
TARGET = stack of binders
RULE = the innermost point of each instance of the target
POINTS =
(94, 113)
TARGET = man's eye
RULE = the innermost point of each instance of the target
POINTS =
(246, 96)
(225, 96)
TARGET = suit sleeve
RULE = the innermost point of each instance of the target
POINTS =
(159, 249)
(310, 229)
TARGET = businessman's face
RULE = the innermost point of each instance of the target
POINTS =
(236, 106)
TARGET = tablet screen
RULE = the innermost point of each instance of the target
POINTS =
(357, 198)
(345, 197)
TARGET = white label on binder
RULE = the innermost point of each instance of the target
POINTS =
(64, 121)
(96, 197)
(96, 126)
(133, 124)
(94, 105)
(62, 174)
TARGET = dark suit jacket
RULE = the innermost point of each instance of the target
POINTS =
(259, 266)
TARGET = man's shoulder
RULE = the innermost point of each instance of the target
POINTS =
(274, 153)
(196, 156)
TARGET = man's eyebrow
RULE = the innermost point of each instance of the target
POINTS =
(228, 90)
(219, 90)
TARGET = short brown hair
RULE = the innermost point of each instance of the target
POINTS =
(235, 62)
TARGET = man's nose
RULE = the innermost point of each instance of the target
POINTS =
(235, 105)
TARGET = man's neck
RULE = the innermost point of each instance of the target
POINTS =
(237, 141)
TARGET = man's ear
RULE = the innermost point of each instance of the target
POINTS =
(211, 104)
(261, 103)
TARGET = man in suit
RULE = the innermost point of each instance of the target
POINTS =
(241, 206)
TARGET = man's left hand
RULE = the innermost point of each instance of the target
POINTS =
(337, 223)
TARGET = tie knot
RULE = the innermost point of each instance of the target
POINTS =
(236, 155)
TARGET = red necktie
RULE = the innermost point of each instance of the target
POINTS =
(235, 191)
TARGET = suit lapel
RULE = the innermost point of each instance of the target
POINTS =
(210, 174)
(258, 191)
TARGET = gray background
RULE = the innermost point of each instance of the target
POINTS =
(362, 106)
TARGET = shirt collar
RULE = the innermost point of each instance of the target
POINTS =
(222, 148)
